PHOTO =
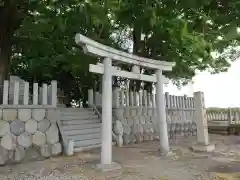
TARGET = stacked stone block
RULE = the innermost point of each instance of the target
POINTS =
(23, 130)
(138, 124)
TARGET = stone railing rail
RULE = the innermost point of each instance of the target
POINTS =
(177, 107)
(230, 115)
(142, 98)
(15, 93)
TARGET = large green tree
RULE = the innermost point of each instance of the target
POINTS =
(186, 32)
(44, 46)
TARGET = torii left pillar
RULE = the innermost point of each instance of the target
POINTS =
(106, 129)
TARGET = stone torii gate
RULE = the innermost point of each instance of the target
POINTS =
(110, 54)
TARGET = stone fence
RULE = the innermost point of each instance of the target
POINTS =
(135, 116)
(18, 92)
(228, 115)
(28, 133)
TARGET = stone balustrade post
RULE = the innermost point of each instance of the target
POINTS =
(202, 127)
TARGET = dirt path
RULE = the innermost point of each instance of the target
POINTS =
(140, 161)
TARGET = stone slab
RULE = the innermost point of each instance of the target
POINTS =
(52, 134)
(32, 153)
(139, 137)
(8, 141)
(118, 128)
(0, 114)
(52, 115)
(43, 125)
(31, 126)
(4, 128)
(56, 149)
(108, 167)
(38, 114)
(3, 156)
(24, 140)
(9, 114)
(39, 138)
(17, 127)
(10, 157)
(45, 150)
(169, 153)
(24, 114)
(127, 130)
(69, 148)
(119, 140)
(203, 148)
(126, 139)
(19, 154)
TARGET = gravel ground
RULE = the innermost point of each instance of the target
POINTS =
(140, 161)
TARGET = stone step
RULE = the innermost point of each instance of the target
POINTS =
(67, 118)
(80, 122)
(75, 109)
(83, 113)
(84, 131)
(80, 149)
(111, 175)
(87, 143)
(82, 126)
(84, 136)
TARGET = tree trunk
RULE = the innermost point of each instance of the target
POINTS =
(5, 54)
(135, 85)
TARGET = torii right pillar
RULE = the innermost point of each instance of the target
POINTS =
(200, 117)
(161, 113)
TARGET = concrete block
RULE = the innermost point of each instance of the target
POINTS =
(142, 119)
(137, 128)
(39, 138)
(24, 140)
(32, 153)
(133, 112)
(203, 148)
(52, 134)
(0, 114)
(9, 114)
(127, 130)
(118, 128)
(56, 149)
(17, 127)
(31, 126)
(8, 141)
(45, 150)
(119, 140)
(146, 137)
(4, 128)
(43, 125)
(52, 115)
(38, 114)
(126, 139)
(139, 137)
(126, 113)
(130, 121)
(3, 156)
(24, 114)
(19, 154)
(108, 168)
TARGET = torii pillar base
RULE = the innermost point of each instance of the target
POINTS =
(199, 147)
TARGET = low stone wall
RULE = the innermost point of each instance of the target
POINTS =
(137, 124)
(28, 134)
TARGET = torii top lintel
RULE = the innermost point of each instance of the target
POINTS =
(97, 49)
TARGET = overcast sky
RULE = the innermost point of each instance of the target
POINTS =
(221, 90)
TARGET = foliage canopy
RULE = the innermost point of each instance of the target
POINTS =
(41, 36)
